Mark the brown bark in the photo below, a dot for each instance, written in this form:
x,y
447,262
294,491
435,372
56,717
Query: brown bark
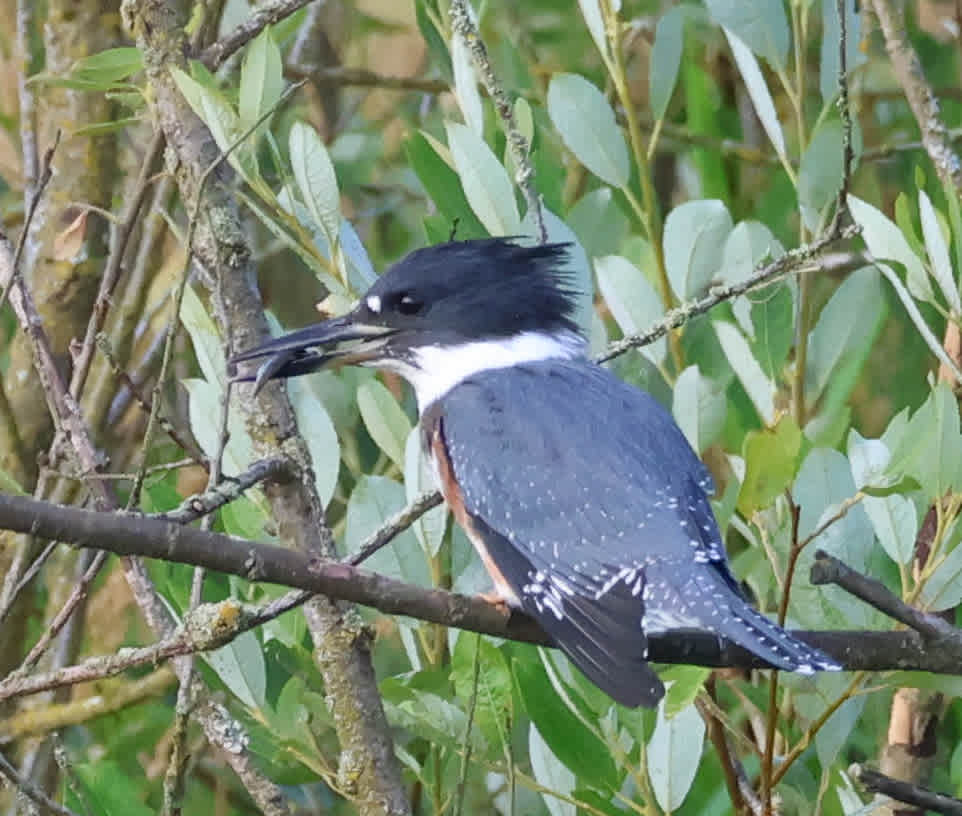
x,y
369,770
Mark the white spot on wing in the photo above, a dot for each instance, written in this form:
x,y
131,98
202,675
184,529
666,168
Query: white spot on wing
x,y
374,304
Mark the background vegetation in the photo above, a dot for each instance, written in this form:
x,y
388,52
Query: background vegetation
x,y
164,164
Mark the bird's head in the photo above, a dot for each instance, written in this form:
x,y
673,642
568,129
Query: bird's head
x,y
439,315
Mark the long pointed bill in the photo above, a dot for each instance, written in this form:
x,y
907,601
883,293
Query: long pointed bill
x,y
339,341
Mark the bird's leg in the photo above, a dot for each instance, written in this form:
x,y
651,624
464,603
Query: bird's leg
x,y
493,596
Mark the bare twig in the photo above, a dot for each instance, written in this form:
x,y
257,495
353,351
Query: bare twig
x,y
399,522
793,261
906,792
267,14
828,569
111,275
33,793
464,27
362,78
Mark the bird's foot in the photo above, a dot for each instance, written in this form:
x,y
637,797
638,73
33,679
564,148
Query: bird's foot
x,y
492,596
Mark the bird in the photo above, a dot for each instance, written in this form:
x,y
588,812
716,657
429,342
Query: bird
x,y
582,496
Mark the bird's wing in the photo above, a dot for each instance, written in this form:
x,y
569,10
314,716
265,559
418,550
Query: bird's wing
x,y
577,485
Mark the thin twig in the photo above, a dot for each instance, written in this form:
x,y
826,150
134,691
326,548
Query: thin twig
x,y
112,268
214,55
399,522
463,26
29,790
828,569
906,792
340,75
793,261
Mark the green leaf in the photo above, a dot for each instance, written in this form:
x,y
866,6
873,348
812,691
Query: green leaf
x,y
564,731
699,407
938,252
107,67
772,457
443,186
632,301
838,341
694,238
429,715
387,424
760,389
316,427
757,88
587,126
674,754
772,318
240,666
203,403
746,247
261,81
374,500
316,179
665,60
485,181
930,450
418,479
222,121
683,683
885,240
598,222
869,459
896,523
820,171
466,84
495,686
824,481
204,337
108,790
591,10
551,774
762,25
943,590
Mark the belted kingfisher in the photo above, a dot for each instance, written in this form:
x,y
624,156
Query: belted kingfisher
x,y
582,496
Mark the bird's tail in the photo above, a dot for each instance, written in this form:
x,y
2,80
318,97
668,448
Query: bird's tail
x,y
750,629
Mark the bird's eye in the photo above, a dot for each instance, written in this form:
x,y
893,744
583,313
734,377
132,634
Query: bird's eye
x,y
408,304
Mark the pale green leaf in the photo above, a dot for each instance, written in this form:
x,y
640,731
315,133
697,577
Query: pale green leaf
x,y
387,424
760,389
315,177
552,774
240,666
943,590
466,85
820,171
757,88
896,523
418,479
204,409
699,408
587,126
318,431
694,238
485,181
204,337
632,301
665,59
261,80
591,10
938,251
674,754
761,24
885,240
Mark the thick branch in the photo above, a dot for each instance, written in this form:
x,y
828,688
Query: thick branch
x,y
129,534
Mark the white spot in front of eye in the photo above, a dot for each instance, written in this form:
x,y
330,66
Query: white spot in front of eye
x,y
407,300
374,304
